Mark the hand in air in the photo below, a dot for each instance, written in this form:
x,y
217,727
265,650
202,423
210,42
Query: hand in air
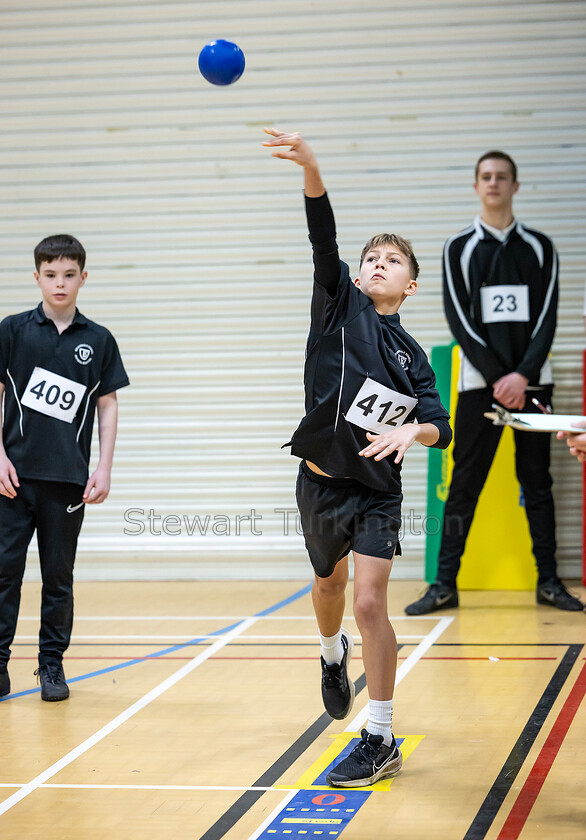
x,y
299,150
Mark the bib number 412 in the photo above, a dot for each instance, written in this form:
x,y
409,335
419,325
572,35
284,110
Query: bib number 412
x,y
379,409
369,403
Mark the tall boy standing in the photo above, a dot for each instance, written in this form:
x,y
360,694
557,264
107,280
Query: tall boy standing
x,y
366,381
500,298
56,368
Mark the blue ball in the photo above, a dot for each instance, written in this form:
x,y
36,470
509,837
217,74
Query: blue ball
x,y
221,62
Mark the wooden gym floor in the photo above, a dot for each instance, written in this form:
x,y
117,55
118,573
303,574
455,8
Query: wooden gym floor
x,y
195,712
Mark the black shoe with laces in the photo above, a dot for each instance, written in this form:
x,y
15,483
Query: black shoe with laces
x,y
439,596
337,689
369,761
4,683
52,679
554,594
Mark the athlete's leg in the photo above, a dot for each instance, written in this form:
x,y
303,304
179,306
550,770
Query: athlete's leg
x,y
329,599
17,525
376,755
532,459
59,520
475,444
379,643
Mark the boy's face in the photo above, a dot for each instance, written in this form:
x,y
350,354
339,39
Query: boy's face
x,y
494,185
60,282
385,278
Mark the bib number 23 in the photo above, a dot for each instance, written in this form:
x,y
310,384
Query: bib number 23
x,y
53,395
379,409
502,304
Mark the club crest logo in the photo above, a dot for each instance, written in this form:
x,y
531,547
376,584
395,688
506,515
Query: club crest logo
x,y
83,354
403,358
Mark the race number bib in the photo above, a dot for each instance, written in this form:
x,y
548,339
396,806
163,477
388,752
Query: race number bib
x,y
504,303
54,395
379,409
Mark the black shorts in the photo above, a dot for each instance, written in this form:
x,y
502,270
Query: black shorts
x,y
339,515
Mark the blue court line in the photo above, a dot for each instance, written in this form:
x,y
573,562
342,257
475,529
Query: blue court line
x,y
195,641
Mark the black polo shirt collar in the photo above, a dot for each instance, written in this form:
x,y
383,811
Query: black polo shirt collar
x,y
41,318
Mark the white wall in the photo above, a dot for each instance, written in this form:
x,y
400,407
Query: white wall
x,y
198,256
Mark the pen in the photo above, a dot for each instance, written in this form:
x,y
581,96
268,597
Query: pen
x,y
540,406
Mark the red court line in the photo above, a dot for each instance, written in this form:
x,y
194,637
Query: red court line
x,y
281,658
538,774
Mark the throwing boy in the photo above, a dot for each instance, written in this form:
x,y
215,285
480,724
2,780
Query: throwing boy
x,y
366,382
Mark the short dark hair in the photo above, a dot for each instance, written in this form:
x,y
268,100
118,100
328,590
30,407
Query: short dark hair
x,y
397,241
495,154
59,247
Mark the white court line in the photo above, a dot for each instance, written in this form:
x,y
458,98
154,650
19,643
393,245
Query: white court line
x,y
281,807
151,787
361,718
124,716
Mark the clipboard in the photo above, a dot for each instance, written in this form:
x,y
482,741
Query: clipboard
x,y
537,422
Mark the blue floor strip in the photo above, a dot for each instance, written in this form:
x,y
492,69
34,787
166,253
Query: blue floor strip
x,y
197,640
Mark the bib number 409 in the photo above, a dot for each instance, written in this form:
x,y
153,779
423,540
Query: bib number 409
x,y
377,408
53,395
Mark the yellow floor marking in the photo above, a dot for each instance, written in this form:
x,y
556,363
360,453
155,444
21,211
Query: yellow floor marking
x,y
306,781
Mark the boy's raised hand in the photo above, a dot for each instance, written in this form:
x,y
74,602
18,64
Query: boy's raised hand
x,y
299,151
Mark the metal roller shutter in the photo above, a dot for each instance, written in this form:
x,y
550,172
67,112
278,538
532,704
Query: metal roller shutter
x,y
198,257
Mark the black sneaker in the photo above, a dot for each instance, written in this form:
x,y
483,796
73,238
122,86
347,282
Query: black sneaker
x,y
52,679
369,761
337,690
554,594
439,596
4,683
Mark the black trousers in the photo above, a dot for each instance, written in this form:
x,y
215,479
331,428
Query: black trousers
x,y
47,507
475,444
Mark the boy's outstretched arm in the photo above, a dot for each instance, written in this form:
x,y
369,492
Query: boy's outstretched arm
x,y
299,152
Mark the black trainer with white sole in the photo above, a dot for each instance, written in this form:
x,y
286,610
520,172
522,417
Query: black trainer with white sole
x,y
439,596
369,761
337,689
554,594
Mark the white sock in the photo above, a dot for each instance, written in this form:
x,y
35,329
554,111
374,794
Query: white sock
x,y
331,648
380,719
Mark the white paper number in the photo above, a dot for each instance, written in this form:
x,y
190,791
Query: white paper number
x,y
379,409
54,395
504,303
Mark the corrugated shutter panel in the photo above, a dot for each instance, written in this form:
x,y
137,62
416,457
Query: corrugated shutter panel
x,y
198,257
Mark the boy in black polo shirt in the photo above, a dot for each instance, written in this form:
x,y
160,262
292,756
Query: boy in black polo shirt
x,y
56,368
366,381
